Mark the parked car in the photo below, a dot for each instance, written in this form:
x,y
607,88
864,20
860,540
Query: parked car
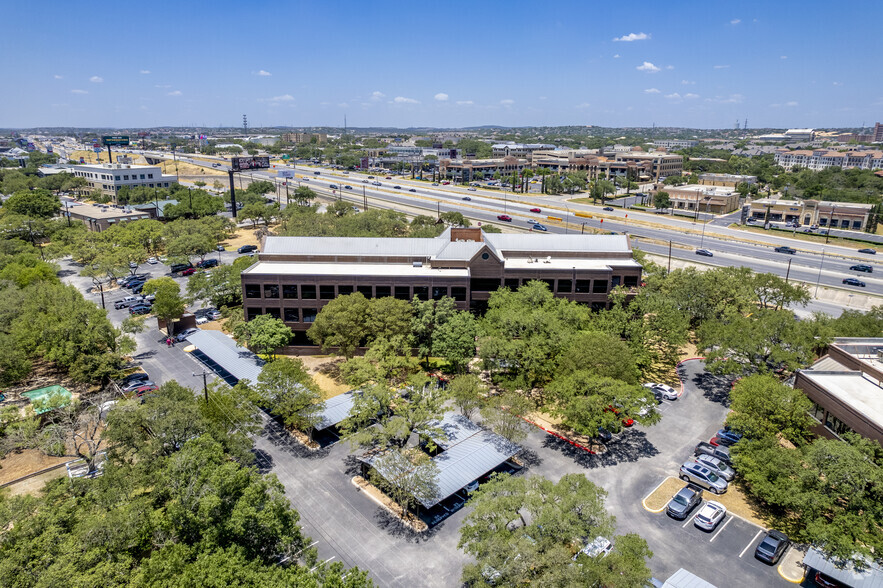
x,y
152,260
603,435
663,390
825,581
535,210
773,546
189,271
133,265
182,336
140,308
539,227
728,436
207,263
137,384
146,388
702,476
683,502
704,253
126,302
134,377
722,453
710,516
717,465
862,268
180,267
608,208
868,251
504,217
854,282
785,249
467,198
211,313
137,287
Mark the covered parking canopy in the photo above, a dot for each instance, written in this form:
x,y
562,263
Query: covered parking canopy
x,y
220,354
336,410
684,579
868,575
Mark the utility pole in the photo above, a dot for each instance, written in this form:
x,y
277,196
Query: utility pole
x,y
232,194
204,375
669,257
819,278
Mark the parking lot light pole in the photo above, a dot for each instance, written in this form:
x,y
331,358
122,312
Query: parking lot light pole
x,y
204,374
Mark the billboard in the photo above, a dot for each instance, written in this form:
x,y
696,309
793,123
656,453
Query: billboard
x,y
285,173
115,139
363,163
244,163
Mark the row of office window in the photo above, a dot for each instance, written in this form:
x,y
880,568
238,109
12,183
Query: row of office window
x,y
831,422
289,315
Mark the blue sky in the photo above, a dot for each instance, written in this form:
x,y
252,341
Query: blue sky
x,y
447,64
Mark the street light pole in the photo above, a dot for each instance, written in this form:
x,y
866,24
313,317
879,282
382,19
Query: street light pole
x,y
819,278
566,219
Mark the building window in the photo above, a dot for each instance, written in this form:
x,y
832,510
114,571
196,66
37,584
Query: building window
x,y
485,255
439,292
290,315
382,291
599,287
165,184
252,290
630,281
342,290
511,283
817,412
151,185
142,176
150,176
403,292
271,291
117,178
564,286
274,312
583,286
126,178
598,306
484,284
308,292
310,315
856,224
366,291
615,281
252,312
458,293
421,292
835,425
289,291
326,292
550,283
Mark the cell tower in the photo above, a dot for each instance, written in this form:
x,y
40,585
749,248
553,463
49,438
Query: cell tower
x,y
745,125
245,124
737,124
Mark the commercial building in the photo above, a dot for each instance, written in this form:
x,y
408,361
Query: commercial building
x,y
717,200
819,159
675,143
661,165
878,133
296,276
846,388
99,217
518,149
730,180
840,215
110,177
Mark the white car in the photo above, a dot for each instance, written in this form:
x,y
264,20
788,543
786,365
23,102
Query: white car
x,y
664,390
152,260
710,515
201,320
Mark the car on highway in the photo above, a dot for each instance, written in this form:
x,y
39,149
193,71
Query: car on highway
x,y
504,217
435,183
347,187
709,516
868,251
333,186
140,308
388,177
370,177
306,179
376,184
445,183
717,465
531,221
662,390
397,187
785,249
535,210
773,546
683,502
861,267
472,189
608,208
854,282
704,253
702,476
412,189
182,336
539,227
723,453
467,198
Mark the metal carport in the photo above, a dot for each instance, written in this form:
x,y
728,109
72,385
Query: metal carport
x,y
221,355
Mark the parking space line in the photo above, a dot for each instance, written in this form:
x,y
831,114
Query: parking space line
x,y
727,522
753,539
688,521
644,500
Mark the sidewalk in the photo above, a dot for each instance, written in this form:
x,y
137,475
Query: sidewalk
x,y
791,567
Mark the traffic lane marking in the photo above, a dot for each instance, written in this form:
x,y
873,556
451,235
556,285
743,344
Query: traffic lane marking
x,y
751,542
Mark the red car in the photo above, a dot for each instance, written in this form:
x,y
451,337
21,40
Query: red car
x,y
535,210
445,183
141,390
505,217
189,271
626,422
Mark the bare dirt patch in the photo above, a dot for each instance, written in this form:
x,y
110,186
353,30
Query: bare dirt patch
x,y
386,502
553,425
735,500
243,236
22,463
324,372
660,497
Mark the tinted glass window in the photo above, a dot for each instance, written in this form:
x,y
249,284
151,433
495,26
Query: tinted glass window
x,y
421,292
326,292
382,291
439,292
308,292
366,291
403,292
583,286
511,283
291,315
341,290
289,291
252,312
274,312
252,291
458,293
599,287
309,315
630,281
271,291
564,286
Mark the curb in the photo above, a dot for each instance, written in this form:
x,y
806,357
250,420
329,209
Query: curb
x,y
558,436
681,393
644,500
790,579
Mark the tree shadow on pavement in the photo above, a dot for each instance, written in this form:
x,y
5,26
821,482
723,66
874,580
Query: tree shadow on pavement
x,y
145,355
263,460
712,387
276,434
630,446
394,527
529,458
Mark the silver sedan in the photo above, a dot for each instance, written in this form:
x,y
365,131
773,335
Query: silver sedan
x,y
710,516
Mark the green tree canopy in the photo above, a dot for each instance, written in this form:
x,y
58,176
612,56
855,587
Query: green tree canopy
x,y
33,204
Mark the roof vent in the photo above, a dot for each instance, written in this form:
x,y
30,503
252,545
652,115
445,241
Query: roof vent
x,y
418,264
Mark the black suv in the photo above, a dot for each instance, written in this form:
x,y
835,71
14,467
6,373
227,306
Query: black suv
x,y
205,264
247,249
786,249
180,267
772,547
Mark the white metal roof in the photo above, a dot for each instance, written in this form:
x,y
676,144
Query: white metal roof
x,y
870,576
684,579
467,460
336,410
344,268
222,350
526,242
456,427
567,263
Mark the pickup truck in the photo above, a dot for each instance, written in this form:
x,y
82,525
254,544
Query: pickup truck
x,y
708,449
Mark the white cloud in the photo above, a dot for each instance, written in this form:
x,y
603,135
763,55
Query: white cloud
x,y
633,37
403,100
721,66
651,91
690,96
79,92
96,79
465,102
783,57
441,97
282,98
58,77
735,21
583,105
377,95
162,85
263,72
175,93
145,71
731,99
542,98
669,67
616,56
648,67
674,96
688,83
791,103
507,102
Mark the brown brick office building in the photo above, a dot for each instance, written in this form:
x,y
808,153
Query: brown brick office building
x,y
295,276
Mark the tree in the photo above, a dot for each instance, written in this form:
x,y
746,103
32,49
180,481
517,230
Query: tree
x,y
288,391
527,530
33,204
264,333
454,219
78,425
409,475
192,238
168,304
587,402
388,318
466,391
454,340
764,407
428,316
662,200
303,196
341,324
503,414
261,187
194,204
222,286
599,353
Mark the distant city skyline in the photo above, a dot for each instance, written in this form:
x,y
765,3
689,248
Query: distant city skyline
x,y
450,65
